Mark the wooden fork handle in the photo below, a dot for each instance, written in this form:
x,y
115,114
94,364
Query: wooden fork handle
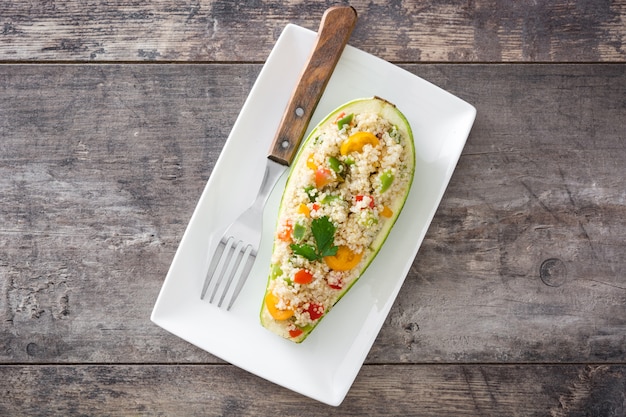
x,y
333,34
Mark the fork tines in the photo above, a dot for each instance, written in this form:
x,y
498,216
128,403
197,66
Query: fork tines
x,y
232,260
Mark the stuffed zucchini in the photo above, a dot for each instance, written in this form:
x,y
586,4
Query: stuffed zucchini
x,y
345,191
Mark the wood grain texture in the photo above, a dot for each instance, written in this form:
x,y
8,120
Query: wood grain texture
x,y
401,390
514,306
224,30
541,178
104,165
101,167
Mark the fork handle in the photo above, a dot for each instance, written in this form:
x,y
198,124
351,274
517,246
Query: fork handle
x,y
333,34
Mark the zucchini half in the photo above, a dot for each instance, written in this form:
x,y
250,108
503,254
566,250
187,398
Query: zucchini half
x,y
346,188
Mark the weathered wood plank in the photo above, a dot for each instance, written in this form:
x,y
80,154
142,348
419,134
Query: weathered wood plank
x,y
404,390
101,167
541,179
217,30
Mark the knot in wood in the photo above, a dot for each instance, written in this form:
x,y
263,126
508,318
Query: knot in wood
x,y
553,272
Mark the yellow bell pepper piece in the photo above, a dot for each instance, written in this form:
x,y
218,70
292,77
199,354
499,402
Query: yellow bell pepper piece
x,y
310,163
344,260
304,209
357,141
386,212
270,302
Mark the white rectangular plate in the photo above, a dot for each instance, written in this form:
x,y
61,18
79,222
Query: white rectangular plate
x,y
325,365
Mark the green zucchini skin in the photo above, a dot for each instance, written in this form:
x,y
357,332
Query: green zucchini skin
x,y
354,171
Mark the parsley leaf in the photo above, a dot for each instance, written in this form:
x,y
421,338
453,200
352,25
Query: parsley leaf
x,y
323,231
331,251
306,251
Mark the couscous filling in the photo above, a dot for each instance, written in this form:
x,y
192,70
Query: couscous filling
x,y
338,198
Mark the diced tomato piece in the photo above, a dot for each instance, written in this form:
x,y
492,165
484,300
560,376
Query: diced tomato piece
x,y
295,332
361,197
303,277
337,286
315,311
316,206
286,232
323,176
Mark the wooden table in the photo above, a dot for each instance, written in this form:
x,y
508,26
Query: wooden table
x,y
113,113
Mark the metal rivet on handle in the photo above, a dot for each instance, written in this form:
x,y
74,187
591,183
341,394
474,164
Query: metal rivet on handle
x,y
299,112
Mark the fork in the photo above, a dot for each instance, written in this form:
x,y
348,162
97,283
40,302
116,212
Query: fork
x,y
237,249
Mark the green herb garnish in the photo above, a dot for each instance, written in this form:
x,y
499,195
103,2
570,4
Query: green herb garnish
x,y
323,231
346,120
311,192
298,231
